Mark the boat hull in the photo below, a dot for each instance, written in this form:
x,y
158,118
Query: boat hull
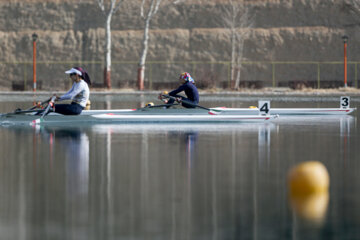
x,y
225,111
112,118
289,111
171,115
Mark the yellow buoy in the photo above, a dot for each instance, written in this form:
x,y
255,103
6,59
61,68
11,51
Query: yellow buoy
x,y
307,178
252,107
165,92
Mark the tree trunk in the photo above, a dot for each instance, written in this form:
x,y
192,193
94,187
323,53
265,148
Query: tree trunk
x,y
233,53
107,70
107,78
141,69
238,62
140,77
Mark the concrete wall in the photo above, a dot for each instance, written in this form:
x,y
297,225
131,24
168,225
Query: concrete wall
x,y
184,37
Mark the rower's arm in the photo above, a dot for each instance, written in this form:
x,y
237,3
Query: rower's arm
x,y
176,91
75,90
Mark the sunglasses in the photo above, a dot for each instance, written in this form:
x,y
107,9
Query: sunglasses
x,y
72,74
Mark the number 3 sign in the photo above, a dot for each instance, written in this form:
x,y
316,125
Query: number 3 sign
x,y
344,102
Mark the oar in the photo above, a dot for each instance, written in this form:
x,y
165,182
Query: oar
x,y
162,105
51,103
191,104
42,103
29,110
43,114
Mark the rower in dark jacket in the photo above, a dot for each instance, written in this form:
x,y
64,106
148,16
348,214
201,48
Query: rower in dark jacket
x,y
191,92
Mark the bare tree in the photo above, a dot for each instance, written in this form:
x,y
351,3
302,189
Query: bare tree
x,y
236,17
148,10
108,9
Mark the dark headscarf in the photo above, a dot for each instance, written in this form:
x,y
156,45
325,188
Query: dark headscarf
x,y
84,75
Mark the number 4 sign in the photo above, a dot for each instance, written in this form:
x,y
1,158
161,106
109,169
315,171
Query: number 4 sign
x,y
344,102
264,107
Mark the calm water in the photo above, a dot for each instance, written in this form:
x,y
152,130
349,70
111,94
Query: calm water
x,y
178,181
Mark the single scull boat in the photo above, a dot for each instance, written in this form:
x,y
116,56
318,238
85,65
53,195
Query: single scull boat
x,y
131,116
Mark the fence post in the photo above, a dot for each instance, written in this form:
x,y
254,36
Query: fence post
x,y
150,77
25,77
34,38
318,75
345,38
273,74
229,75
356,81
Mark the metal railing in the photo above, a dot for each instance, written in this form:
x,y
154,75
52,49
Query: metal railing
x,y
270,72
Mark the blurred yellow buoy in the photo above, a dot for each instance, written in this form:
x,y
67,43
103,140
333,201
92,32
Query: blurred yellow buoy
x,y
311,207
252,107
307,178
165,92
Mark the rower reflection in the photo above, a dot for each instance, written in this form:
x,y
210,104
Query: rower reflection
x,y
190,138
74,144
264,138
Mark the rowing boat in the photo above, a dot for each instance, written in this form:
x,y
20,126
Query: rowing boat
x,y
223,111
263,109
290,111
161,114
167,115
141,115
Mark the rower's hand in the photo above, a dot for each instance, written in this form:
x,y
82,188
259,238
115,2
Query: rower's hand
x,y
57,97
179,99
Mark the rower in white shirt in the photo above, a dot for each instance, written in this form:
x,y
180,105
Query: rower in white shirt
x,y
79,93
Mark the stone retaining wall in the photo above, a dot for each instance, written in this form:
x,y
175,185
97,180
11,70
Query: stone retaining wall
x,y
295,35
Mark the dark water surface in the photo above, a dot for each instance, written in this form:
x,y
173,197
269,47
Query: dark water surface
x,y
179,181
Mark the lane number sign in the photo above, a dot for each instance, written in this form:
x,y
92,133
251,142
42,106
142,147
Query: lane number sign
x,y
344,102
264,107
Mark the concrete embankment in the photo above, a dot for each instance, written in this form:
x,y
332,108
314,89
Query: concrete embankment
x,y
289,42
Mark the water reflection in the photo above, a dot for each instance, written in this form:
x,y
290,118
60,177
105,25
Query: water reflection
x,y
345,131
195,175
310,208
264,143
167,181
74,144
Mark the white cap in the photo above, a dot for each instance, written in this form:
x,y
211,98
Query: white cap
x,y
73,70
